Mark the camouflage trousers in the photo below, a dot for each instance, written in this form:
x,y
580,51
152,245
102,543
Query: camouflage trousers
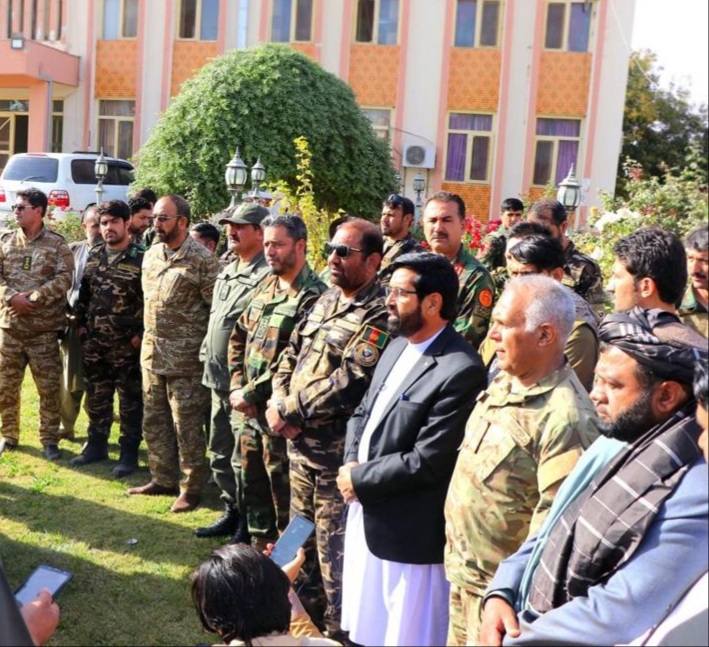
x,y
222,445
465,616
41,352
173,415
262,484
314,495
107,370
72,388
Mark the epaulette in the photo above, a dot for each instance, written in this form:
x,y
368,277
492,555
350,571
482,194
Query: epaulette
x,y
51,232
6,233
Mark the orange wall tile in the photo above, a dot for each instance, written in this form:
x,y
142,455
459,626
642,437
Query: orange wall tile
x,y
306,48
374,72
188,57
474,82
116,68
476,197
564,80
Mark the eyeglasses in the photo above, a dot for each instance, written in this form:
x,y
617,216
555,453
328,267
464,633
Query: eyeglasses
x,y
398,292
164,218
22,207
343,251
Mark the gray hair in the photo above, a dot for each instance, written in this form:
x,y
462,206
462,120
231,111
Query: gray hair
x,y
294,225
549,302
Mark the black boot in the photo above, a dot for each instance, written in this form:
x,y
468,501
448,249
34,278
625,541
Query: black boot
x,y
224,526
96,449
241,533
127,460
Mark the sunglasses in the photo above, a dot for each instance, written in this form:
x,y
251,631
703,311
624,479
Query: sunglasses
x,y
343,251
395,199
22,207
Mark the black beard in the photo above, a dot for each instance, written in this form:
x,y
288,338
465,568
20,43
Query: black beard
x,y
632,423
407,326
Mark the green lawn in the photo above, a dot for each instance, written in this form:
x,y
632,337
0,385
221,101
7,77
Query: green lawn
x,y
123,592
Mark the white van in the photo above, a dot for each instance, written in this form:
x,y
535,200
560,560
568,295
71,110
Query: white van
x,y
67,178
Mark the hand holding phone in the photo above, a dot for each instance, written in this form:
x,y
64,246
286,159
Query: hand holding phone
x,y
294,536
43,577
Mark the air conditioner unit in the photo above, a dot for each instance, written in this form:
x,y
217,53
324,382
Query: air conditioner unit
x,y
419,156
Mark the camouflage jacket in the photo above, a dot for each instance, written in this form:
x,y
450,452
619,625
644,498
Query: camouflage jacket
x,y
233,290
177,289
492,255
43,269
263,331
476,296
519,446
392,252
110,304
326,369
583,275
694,314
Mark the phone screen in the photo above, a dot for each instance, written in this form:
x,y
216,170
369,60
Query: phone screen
x,y
294,536
44,577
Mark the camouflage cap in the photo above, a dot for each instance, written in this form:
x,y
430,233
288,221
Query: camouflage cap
x,y
248,213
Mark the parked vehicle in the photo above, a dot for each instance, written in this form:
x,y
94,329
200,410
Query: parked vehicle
x,y
68,179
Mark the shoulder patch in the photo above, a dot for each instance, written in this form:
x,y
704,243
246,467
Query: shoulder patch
x,y
485,298
375,337
366,354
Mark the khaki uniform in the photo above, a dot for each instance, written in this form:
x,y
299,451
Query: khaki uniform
x,y
42,268
520,444
583,275
694,314
321,378
476,296
392,252
177,288
233,290
258,339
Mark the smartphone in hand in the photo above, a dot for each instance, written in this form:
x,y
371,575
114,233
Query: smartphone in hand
x,y
43,577
293,537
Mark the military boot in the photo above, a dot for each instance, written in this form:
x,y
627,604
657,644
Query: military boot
x,y
241,534
127,460
96,449
224,526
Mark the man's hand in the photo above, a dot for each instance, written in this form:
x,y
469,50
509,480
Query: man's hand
x,y
41,617
344,482
237,402
499,620
20,305
292,568
273,418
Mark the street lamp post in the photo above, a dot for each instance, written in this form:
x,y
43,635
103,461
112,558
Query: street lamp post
x,y
235,177
569,193
419,185
258,175
100,171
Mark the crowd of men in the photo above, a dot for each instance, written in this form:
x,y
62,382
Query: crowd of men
x,y
471,437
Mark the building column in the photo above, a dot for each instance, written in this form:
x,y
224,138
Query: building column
x,y
38,139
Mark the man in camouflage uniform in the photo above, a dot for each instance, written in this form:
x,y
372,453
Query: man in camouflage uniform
x,y
443,223
258,339
178,282
141,216
582,273
233,291
72,385
36,267
397,218
693,310
524,436
109,319
492,255
321,378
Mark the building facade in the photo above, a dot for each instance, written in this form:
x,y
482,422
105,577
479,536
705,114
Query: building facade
x,y
487,98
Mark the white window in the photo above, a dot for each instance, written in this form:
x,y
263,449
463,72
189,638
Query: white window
x,y
469,147
115,127
556,149
377,22
120,19
380,118
292,21
198,20
568,26
477,23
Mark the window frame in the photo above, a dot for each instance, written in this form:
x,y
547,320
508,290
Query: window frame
x,y
199,4
479,12
380,129
120,21
377,24
117,119
294,23
555,139
470,139
566,27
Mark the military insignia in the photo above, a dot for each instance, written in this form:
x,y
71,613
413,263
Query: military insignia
x,y
485,298
375,337
366,354
27,263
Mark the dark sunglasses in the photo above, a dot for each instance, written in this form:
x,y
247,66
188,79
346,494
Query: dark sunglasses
x,y
343,251
395,199
22,207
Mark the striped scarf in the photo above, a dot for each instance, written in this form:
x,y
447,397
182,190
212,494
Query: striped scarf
x,y
606,524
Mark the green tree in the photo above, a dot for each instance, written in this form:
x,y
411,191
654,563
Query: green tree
x,y
659,126
263,99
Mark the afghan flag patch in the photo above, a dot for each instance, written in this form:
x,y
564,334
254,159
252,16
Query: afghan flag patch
x,y
375,337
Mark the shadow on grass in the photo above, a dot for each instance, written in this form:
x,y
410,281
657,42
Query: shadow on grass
x,y
102,607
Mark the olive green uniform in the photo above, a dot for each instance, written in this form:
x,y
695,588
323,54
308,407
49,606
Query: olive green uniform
x,y
693,313
392,251
520,443
583,275
476,296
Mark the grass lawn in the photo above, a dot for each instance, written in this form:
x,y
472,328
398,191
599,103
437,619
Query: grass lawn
x,y
123,592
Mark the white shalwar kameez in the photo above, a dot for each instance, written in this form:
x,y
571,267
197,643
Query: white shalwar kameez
x,y
383,602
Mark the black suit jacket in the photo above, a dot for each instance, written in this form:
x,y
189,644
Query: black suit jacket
x,y
412,453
